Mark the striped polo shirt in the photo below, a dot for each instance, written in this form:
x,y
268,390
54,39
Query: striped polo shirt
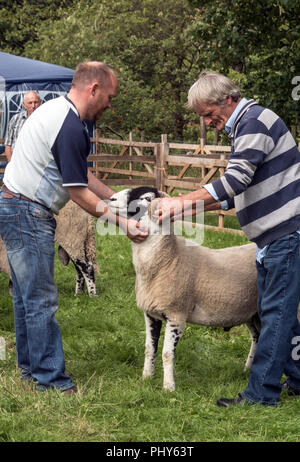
x,y
50,155
262,176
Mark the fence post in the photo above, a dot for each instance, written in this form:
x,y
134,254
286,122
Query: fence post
x,y
221,220
97,152
162,150
130,153
97,144
203,142
216,137
202,134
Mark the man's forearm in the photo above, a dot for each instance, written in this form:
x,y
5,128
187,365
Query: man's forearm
x,y
8,152
97,187
213,206
91,203
201,195
186,205
87,200
191,200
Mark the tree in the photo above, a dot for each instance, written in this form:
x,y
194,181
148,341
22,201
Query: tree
x,y
20,20
146,41
257,43
158,48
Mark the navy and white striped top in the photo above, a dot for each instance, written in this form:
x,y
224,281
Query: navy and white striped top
x,y
262,179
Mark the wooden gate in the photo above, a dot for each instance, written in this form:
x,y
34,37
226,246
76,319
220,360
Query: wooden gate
x,y
167,166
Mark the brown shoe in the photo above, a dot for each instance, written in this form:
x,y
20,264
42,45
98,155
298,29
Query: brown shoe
x,y
70,391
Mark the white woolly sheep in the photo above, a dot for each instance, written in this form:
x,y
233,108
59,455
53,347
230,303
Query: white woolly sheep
x,y
75,233
180,283
4,265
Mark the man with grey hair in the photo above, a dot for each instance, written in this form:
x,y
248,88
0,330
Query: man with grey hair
x,y
262,182
30,103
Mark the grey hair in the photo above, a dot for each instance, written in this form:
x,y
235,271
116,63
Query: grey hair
x,y
29,92
212,88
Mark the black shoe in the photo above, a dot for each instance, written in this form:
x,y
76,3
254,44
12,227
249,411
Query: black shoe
x,y
290,390
226,402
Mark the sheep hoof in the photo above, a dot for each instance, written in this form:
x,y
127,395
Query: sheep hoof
x,y
169,387
247,366
147,374
79,292
10,288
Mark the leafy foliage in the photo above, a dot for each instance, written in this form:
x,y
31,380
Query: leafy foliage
x,y
158,48
21,19
257,43
146,41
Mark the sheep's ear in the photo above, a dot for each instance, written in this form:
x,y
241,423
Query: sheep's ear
x,y
163,194
63,256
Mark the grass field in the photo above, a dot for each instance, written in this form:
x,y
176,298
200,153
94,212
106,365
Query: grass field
x,y
104,349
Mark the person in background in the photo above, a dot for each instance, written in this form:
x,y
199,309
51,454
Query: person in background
x,y
262,182
31,102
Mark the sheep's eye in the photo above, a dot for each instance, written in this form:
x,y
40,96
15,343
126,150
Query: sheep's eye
x,y
113,199
148,199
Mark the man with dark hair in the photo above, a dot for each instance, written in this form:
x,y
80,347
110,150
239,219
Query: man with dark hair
x,y
262,182
49,167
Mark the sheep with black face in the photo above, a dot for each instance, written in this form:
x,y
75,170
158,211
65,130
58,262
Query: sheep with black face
x,y
179,283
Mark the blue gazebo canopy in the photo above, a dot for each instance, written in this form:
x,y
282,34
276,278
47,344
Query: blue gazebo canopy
x,y
18,70
19,75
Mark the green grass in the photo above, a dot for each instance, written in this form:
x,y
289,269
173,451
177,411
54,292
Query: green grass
x,y
104,350
229,221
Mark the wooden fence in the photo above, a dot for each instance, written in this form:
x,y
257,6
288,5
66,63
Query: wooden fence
x,y
166,165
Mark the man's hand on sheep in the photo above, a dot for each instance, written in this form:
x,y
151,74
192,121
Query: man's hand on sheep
x,y
170,208
135,231
187,205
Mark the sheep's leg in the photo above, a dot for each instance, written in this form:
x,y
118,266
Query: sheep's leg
x,y
173,333
254,329
10,287
85,275
79,286
153,327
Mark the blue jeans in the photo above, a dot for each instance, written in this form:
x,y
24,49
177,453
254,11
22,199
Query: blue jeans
x,y
278,280
27,230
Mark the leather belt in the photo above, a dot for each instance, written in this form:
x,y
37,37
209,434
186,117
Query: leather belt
x,y
20,196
